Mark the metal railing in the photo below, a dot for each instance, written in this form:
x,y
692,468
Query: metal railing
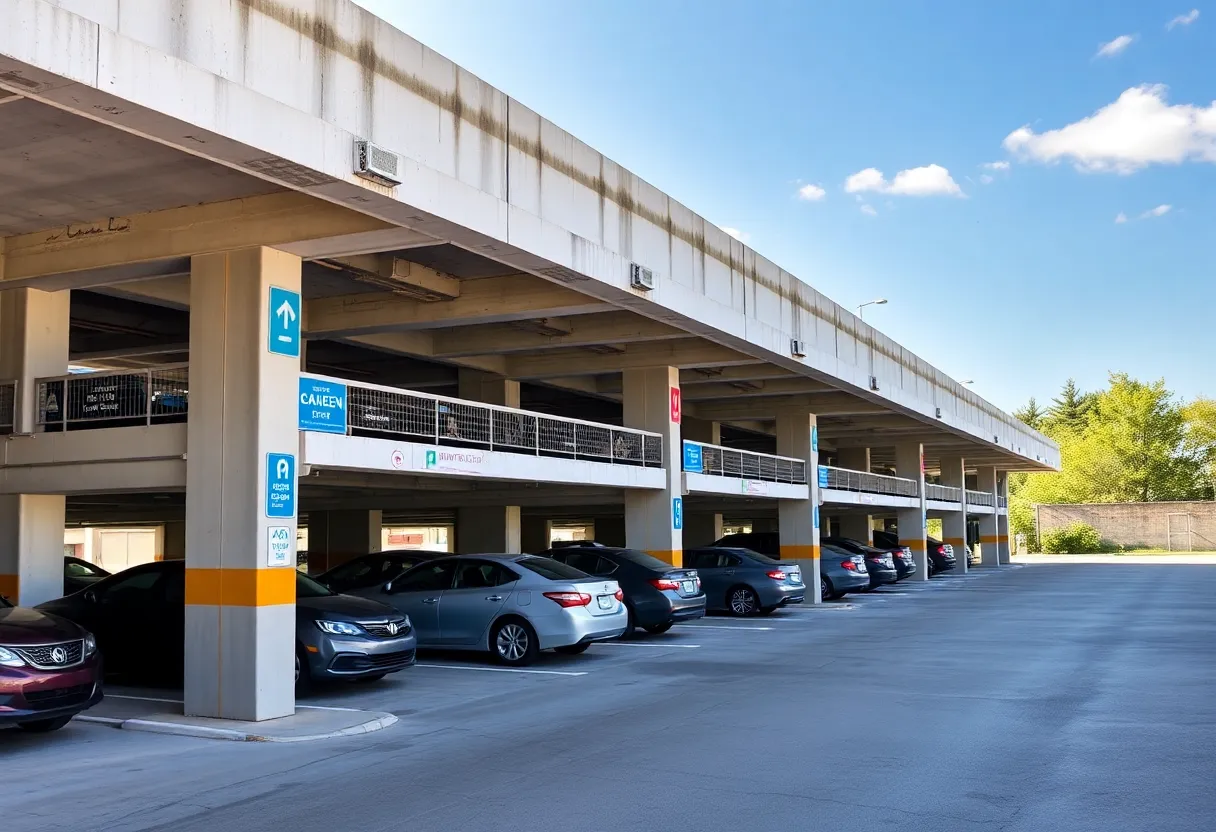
x,y
946,493
980,498
8,407
749,465
386,411
1002,502
845,479
113,399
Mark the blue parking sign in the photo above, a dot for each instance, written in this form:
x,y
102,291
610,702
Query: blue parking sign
x,y
692,457
280,485
677,513
322,405
283,326
823,476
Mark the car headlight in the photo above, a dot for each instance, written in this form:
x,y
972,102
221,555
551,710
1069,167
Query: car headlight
x,y
10,659
90,645
405,628
339,628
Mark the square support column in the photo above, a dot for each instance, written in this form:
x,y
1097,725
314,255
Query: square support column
x,y
856,526
912,522
242,437
33,344
334,537
985,480
171,541
654,518
535,534
954,523
488,530
609,530
798,520
702,528
1002,520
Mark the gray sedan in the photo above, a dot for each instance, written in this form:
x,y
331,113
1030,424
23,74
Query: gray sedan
x,y
513,606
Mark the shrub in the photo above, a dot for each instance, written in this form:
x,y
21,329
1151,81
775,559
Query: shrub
x,y
1073,539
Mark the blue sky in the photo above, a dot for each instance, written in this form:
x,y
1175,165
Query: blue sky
x,y
1016,283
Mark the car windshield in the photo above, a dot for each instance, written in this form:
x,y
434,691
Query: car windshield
x,y
643,559
306,587
756,556
552,569
81,569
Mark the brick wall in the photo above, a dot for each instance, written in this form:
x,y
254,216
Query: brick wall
x,y
1140,524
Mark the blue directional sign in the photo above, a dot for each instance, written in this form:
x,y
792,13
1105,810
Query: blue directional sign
x,y
322,405
815,439
284,322
816,517
280,485
823,476
692,457
677,513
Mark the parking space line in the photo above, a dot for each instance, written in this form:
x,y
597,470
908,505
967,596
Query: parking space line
x,y
505,669
144,698
724,627
644,644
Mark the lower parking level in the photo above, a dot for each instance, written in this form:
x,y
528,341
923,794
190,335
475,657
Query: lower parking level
x,y
1029,698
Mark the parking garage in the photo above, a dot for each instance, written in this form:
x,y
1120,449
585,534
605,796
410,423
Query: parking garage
x,y
217,321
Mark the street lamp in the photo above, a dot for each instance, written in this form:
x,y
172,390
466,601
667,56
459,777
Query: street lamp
x,y
876,302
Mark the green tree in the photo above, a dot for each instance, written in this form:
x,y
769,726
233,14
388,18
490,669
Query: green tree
x,y
1031,415
1070,410
1200,419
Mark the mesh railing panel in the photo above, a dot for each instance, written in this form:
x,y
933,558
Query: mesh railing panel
x,y
946,493
979,498
8,407
845,479
114,399
729,462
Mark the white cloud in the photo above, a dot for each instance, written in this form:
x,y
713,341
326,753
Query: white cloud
x,y
1120,218
1137,130
1159,211
811,193
999,165
985,179
869,211
1184,19
929,180
741,236
1115,47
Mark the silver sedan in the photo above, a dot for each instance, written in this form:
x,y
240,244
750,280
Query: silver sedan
x,y
513,606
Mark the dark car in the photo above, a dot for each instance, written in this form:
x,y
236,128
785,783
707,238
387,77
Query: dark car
x,y
138,616
840,571
880,563
50,669
766,543
657,595
80,574
941,555
743,582
374,569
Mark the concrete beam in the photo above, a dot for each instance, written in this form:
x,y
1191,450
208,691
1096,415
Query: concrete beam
x,y
486,301
420,345
766,407
397,275
584,331
755,389
686,353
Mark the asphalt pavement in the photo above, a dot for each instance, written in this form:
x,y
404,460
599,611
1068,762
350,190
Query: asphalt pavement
x,y
1030,699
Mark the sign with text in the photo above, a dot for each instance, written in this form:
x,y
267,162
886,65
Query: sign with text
x,y
755,487
322,405
280,485
815,439
455,459
677,513
692,458
816,517
675,405
823,476
283,325
280,546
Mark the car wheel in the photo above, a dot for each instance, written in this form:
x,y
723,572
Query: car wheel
x,y
375,677
43,726
658,629
742,601
826,592
513,642
572,649
303,674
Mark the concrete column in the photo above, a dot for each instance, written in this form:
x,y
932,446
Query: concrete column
x,y
798,520
911,522
609,530
171,541
33,345
702,528
855,459
490,530
701,430
488,388
954,523
240,610
334,537
650,516
855,526
1002,520
535,534
985,480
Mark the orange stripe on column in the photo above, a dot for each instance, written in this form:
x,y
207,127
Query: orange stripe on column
x,y
916,544
240,587
795,551
673,556
989,538
9,584
954,541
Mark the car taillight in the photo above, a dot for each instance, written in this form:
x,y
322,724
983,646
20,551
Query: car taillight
x,y
664,583
848,564
906,551
941,550
619,595
777,575
569,599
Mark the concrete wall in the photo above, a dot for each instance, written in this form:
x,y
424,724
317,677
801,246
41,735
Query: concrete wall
x,y
1140,524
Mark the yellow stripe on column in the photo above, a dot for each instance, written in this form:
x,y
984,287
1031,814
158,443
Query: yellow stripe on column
x,y
9,584
990,538
1002,538
673,556
916,544
240,587
794,551
955,541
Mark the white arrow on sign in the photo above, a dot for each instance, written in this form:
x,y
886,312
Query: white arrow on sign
x,y
286,313
282,470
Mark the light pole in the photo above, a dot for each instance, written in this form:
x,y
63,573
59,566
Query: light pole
x,y
861,310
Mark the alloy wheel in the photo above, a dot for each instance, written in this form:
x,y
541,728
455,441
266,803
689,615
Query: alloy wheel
x,y
742,602
823,590
297,668
512,642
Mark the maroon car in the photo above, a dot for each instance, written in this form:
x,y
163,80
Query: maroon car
x,y
50,669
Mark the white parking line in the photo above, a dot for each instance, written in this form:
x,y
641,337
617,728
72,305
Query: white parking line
x,y
724,627
144,698
644,644
504,669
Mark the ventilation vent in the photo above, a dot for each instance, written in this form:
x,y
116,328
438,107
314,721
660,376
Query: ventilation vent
x,y
641,277
377,164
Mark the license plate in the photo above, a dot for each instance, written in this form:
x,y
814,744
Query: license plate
x,y
690,587
606,602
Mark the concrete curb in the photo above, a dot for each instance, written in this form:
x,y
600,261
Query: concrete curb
x,y
178,729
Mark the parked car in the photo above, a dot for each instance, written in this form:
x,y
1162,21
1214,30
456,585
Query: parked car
x,y
50,669
79,574
657,595
880,564
743,582
138,616
766,543
373,570
513,606
941,555
841,572
973,557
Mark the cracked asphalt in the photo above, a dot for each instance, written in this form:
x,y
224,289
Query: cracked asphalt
x,y
1036,698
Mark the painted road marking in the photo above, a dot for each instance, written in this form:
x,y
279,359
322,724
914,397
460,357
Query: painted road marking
x,y
180,702
644,644
723,627
504,669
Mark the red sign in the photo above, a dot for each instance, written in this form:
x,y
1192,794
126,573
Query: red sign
x,y
675,405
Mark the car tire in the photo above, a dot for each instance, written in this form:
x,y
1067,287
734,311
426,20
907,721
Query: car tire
x,y
826,591
741,601
513,642
572,649
657,629
303,674
44,726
